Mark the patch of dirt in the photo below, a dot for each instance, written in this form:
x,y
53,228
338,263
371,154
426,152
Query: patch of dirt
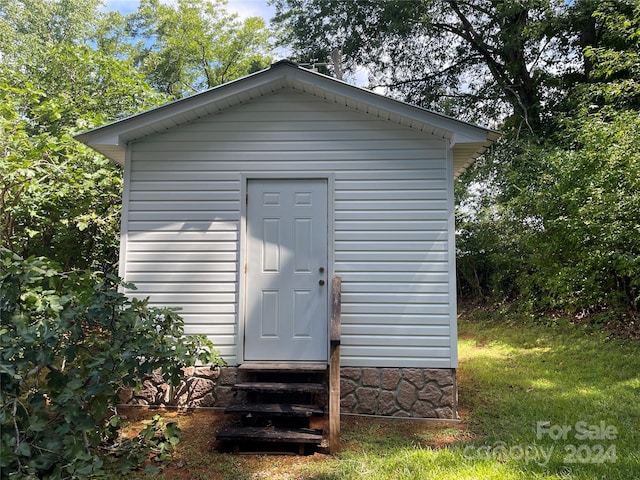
x,y
197,456
629,327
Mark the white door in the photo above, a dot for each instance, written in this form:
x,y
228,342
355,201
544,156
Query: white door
x,y
286,272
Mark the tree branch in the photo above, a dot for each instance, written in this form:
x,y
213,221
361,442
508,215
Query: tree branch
x,y
429,77
469,33
205,66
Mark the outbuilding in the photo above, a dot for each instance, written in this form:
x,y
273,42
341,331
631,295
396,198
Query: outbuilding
x,y
241,204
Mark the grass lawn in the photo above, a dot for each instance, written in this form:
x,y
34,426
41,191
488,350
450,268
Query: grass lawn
x,y
540,400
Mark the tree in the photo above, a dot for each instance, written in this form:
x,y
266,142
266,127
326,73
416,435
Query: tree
x,y
67,67
49,45
588,196
480,60
547,216
190,46
564,221
58,198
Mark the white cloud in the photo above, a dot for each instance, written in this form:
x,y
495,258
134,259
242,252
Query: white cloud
x,y
251,8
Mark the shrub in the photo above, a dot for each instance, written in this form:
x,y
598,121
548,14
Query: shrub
x,y
68,343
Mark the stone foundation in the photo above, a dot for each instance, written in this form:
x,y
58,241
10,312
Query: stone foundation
x,y
201,387
399,392
396,392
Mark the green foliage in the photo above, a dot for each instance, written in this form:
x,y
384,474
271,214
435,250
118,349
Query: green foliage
x,y
616,64
68,343
49,47
588,200
154,442
191,45
559,226
563,233
549,215
58,198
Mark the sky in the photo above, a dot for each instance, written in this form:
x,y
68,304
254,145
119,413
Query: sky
x,y
251,8
244,8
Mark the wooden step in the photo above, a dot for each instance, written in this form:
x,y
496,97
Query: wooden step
x,y
280,387
277,410
284,367
270,434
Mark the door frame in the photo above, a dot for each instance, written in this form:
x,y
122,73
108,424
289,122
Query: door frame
x,y
329,177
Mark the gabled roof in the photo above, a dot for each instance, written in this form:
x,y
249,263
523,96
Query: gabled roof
x,y
467,140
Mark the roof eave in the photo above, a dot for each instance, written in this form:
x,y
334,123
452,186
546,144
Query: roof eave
x,y
465,154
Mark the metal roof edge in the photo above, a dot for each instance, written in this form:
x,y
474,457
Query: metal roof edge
x,y
167,106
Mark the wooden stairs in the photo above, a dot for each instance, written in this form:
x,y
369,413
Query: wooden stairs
x,y
282,407
277,405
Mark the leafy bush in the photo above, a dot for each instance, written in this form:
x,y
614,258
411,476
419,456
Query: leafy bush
x,y
554,222
58,199
68,343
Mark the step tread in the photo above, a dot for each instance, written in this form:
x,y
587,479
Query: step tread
x,y
281,387
284,367
270,434
277,409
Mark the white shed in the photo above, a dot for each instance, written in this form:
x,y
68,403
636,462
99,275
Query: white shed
x,y
242,202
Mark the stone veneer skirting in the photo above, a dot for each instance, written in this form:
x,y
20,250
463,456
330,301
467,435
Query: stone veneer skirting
x,y
397,392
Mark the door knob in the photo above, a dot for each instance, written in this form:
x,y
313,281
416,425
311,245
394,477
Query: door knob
x,y
321,282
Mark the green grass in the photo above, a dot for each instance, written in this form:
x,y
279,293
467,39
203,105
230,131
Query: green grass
x,y
513,374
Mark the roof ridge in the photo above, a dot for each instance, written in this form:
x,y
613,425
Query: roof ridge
x,y
285,62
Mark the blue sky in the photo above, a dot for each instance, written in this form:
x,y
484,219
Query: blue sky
x,y
244,8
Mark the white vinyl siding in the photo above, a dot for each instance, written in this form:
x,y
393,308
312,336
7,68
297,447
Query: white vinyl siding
x,y
392,212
